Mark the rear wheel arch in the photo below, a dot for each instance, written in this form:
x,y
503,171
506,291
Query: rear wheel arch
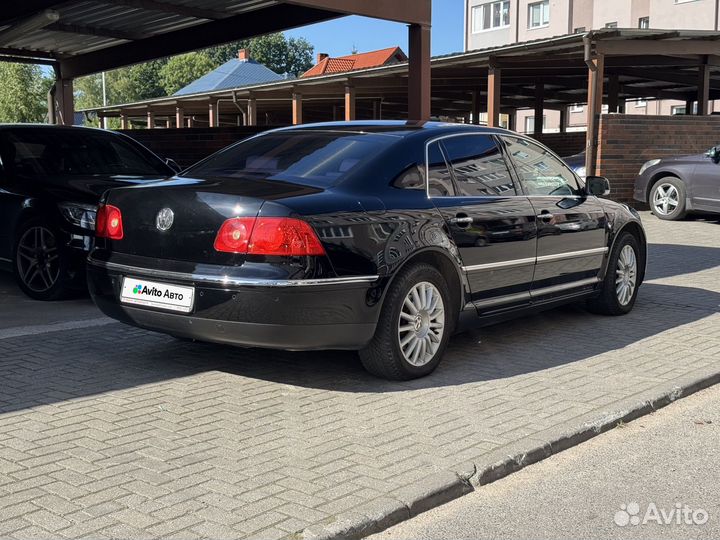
x,y
443,262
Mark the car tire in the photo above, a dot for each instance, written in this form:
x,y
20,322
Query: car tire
x,y
416,315
667,198
40,265
620,286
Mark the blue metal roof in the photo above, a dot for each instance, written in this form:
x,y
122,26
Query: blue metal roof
x,y
232,74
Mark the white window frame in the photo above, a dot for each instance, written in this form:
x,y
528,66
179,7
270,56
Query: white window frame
x,y
645,20
488,5
577,108
544,6
612,24
528,119
641,103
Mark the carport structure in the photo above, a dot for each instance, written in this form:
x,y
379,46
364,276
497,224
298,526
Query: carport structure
x,y
81,37
605,67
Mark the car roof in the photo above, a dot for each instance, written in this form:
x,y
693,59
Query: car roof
x,y
52,127
399,128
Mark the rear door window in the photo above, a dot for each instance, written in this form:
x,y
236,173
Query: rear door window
x,y
479,166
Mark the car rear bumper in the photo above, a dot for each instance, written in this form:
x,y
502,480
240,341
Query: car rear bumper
x,y
334,313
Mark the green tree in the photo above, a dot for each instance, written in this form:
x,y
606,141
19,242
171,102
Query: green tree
x,y
23,95
179,71
280,54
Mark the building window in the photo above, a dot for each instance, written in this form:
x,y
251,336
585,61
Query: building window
x,y
539,14
611,24
644,22
530,124
576,108
677,109
640,103
580,30
491,16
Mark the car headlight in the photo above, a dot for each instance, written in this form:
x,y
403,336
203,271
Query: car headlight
x,y
581,172
82,215
648,164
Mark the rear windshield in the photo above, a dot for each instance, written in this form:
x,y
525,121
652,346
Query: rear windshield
x,y
46,152
315,158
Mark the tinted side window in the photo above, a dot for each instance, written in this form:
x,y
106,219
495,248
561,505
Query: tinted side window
x,y
440,182
479,166
540,172
410,178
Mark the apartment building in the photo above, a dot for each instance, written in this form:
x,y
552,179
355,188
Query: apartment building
x,y
493,23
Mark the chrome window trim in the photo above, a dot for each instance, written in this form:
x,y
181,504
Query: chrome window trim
x,y
230,281
536,260
3,259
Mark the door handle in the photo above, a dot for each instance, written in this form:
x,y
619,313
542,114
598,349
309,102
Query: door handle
x,y
462,221
545,216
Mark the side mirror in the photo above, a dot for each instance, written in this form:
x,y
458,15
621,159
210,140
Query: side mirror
x,y
173,165
597,185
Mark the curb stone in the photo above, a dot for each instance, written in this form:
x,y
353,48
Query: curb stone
x,y
442,487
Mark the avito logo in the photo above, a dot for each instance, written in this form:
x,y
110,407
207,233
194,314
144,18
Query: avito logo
x,y
137,289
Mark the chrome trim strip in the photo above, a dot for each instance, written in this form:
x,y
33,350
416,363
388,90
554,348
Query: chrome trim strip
x,y
231,281
565,286
572,254
3,259
497,265
535,260
499,300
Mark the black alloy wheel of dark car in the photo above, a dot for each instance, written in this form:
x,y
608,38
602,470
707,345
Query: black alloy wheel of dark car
x,y
40,268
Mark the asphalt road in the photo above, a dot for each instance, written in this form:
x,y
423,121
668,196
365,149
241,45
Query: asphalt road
x,y
666,462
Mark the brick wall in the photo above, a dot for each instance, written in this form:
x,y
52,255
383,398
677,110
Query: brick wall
x,y
190,145
564,144
628,141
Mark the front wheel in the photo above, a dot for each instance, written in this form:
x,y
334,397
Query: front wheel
x,y
414,326
667,199
620,287
41,268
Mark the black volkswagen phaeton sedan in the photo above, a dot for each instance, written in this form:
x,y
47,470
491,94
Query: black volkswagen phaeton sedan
x,y
382,237
51,179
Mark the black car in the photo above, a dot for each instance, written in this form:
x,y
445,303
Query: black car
x,y
51,179
382,237
675,186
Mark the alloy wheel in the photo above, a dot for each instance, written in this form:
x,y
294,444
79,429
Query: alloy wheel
x,y
421,323
625,275
666,199
38,259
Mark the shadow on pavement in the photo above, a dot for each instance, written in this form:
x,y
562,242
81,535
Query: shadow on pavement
x,y
59,366
666,260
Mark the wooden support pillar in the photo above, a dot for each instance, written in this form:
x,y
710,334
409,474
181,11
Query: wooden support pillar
x,y
168,122
475,107
212,118
123,121
512,120
349,103
613,93
179,117
539,107
150,119
621,105
493,107
335,113
563,120
596,77
190,121
689,107
376,109
63,106
419,72
297,112
252,112
703,96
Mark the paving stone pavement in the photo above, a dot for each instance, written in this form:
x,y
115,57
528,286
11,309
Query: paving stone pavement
x,y
114,432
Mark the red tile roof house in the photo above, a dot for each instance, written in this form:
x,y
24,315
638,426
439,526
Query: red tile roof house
x,y
384,57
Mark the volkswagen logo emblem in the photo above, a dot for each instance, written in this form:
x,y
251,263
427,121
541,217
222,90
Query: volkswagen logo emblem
x,y
164,219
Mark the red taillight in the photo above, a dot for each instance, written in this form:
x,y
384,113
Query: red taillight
x,y
234,235
268,236
108,222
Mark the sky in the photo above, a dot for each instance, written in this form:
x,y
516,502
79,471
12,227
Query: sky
x,y
338,37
